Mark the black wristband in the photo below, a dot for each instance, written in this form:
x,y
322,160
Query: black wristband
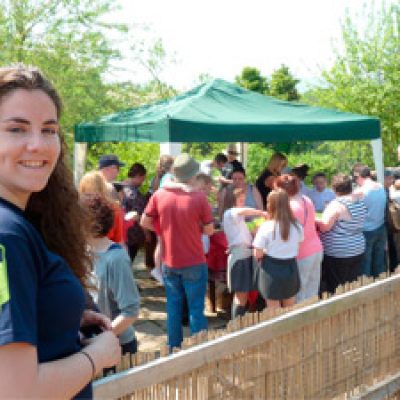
x,y
91,362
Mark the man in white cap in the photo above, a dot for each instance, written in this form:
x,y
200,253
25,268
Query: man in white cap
x,y
182,214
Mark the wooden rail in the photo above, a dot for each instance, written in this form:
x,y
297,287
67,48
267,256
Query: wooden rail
x,y
164,369
381,390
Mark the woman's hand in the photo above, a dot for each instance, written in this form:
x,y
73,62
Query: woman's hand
x,y
90,317
264,214
105,350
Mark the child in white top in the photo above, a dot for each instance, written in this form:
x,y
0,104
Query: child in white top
x,y
276,246
240,260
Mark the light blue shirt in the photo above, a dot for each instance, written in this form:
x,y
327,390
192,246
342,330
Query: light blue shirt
x,y
304,189
117,291
375,200
166,178
321,199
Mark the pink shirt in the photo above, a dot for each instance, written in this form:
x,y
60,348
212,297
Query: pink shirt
x,y
303,209
181,216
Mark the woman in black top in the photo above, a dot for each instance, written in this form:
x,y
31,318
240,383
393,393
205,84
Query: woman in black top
x,y
265,181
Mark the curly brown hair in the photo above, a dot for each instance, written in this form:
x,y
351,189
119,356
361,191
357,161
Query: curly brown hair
x,y
54,211
101,213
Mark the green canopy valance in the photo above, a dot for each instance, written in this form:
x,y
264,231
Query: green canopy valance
x,y
219,111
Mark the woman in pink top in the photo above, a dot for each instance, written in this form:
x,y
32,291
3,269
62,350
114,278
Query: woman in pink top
x,y
310,254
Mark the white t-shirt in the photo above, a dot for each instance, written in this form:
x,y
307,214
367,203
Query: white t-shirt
x,y
206,167
276,247
205,239
321,199
235,228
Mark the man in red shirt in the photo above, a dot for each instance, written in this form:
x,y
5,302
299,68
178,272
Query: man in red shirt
x,y
182,214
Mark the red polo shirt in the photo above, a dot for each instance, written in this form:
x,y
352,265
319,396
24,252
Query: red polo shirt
x,y
181,216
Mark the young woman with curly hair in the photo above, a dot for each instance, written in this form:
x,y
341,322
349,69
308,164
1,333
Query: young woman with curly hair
x,y
43,260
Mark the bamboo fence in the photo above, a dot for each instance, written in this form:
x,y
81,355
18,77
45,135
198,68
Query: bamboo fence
x,y
336,348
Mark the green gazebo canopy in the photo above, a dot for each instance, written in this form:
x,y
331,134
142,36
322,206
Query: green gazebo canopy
x,y
219,111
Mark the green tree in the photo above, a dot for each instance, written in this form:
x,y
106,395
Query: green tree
x,y
251,78
68,41
154,59
365,78
283,84
204,150
126,95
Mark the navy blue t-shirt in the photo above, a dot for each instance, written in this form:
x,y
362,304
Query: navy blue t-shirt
x,y
41,301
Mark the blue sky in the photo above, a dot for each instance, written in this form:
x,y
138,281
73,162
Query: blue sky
x,y
220,37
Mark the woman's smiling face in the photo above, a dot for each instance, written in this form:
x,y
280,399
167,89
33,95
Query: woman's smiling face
x,y
29,144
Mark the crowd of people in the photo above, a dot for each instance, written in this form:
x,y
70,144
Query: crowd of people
x,y
286,242
68,295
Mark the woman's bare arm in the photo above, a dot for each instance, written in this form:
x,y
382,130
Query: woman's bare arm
x,y
23,377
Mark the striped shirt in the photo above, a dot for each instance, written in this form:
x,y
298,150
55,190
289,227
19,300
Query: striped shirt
x,y
346,238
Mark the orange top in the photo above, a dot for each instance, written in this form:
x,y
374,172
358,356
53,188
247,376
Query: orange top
x,y
115,233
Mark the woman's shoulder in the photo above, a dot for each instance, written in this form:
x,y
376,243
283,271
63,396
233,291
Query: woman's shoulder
x,y
116,250
15,224
114,258
231,214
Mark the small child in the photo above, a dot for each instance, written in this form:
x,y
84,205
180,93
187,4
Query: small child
x,y
117,295
240,260
204,183
276,246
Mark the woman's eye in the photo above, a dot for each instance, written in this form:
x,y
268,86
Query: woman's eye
x,y
50,131
16,129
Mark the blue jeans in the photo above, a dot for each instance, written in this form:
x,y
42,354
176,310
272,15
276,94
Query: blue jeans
x,y
192,283
373,262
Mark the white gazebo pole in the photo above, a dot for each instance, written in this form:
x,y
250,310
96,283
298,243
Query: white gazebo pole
x,y
377,151
79,161
244,147
172,149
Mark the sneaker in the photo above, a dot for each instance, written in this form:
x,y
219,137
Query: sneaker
x,y
157,275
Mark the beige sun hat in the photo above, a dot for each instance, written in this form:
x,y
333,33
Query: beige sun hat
x,y
185,167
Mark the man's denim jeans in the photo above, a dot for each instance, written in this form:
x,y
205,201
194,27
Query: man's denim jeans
x,y
374,257
192,283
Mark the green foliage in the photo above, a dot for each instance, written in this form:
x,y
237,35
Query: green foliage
x,y
154,58
319,159
365,78
283,84
68,41
202,151
73,46
251,78
257,159
129,153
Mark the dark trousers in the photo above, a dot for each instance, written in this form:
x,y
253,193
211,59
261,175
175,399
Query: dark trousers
x,y
338,271
392,251
149,247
